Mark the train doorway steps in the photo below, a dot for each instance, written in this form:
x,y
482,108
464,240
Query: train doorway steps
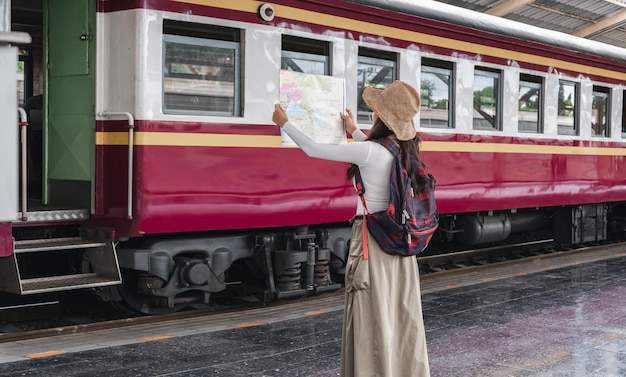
x,y
48,216
49,265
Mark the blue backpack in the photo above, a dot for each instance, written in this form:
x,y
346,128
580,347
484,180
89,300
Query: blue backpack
x,y
408,224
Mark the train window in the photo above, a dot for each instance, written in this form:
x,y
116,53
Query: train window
x,y
600,112
436,93
375,69
529,104
24,77
21,96
487,99
305,55
567,115
201,69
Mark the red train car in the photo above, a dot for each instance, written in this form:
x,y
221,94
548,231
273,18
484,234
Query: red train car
x,y
153,175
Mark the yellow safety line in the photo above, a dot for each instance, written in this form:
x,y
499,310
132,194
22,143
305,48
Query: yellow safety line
x,y
315,312
249,324
157,337
45,354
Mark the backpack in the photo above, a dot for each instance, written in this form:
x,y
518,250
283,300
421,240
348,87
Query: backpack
x,y
410,221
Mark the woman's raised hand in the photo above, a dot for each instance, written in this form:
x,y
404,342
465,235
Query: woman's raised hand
x,y
279,116
348,119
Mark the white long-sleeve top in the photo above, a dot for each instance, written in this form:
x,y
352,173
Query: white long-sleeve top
x,y
374,162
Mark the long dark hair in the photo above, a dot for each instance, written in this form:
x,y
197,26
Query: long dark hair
x,y
420,179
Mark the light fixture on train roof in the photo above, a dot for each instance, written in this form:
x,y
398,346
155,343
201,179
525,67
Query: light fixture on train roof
x,y
266,11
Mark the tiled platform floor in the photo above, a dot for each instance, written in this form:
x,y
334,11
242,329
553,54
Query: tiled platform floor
x,y
566,322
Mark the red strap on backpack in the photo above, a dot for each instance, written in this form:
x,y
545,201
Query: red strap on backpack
x,y
360,190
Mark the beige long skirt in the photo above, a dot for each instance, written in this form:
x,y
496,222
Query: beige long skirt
x,y
383,327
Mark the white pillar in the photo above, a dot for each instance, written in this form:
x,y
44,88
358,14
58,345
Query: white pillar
x,y
5,15
8,114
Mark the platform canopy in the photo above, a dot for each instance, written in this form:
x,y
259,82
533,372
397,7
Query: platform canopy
x,y
599,20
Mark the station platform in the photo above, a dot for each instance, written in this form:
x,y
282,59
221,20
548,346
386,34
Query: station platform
x,y
559,322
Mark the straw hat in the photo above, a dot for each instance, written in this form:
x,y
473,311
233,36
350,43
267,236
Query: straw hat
x,y
396,106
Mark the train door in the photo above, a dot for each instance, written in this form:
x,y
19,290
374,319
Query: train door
x,y
69,102
52,250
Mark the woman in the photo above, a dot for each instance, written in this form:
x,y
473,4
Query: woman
x,y
383,329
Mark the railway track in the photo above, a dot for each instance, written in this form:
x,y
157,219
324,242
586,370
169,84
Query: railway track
x,y
466,270
439,272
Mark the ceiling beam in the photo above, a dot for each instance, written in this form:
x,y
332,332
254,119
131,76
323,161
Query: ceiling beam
x,y
604,24
507,6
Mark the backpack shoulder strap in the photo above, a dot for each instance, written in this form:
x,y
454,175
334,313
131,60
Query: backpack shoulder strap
x,y
389,144
391,147
360,189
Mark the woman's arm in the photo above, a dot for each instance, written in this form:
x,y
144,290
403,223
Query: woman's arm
x,y
356,153
358,135
280,118
348,118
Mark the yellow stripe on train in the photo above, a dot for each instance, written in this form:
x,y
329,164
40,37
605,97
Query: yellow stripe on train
x,y
181,139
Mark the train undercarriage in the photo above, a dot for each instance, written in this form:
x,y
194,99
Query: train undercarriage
x,y
166,273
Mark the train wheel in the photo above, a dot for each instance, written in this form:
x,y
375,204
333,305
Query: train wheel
x,y
135,302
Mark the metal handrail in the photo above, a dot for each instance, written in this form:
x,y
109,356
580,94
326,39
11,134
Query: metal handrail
x,y
131,129
23,141
14,37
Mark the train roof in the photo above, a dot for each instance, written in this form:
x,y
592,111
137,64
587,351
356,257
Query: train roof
x,y
476,20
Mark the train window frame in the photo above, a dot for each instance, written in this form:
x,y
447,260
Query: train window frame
x,y
536,82
305,50
575,129
496,119
438,66
205,36
597,93
373,57
624,114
